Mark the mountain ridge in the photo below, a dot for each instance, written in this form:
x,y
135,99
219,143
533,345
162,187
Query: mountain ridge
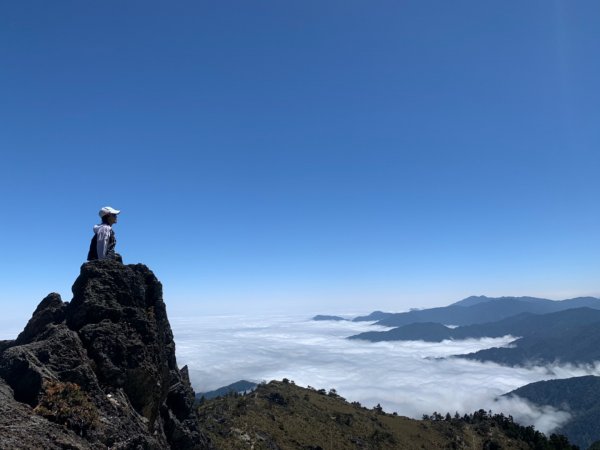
x,y
571,336
478,309
578,395
519,325
238,387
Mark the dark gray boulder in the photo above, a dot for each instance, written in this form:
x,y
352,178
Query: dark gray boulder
x,y
109,355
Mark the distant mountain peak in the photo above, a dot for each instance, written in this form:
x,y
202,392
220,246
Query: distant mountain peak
x,y
472,300
478,299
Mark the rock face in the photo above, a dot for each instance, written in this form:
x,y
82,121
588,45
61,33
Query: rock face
x,y
100,371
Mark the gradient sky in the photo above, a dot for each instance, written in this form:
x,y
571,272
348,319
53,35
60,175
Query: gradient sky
x,y
322,156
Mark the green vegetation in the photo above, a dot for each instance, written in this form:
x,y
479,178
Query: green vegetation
x,y
67,404
482,421
282,415
579,396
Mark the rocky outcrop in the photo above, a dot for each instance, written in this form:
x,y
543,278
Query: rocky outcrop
x,y
21,428
100,371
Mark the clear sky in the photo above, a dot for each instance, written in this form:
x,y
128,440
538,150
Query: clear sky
x,y
327,156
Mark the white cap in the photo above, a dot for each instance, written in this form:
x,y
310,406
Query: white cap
x,y
108,210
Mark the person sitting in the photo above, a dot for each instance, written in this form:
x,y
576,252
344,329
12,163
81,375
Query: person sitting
x,y
104,241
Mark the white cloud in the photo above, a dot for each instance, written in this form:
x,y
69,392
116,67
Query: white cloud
x,y
545,418
411,378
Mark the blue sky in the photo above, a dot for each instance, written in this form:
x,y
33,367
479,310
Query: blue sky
x,y
330,156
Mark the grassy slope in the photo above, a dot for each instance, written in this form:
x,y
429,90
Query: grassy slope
x,y
283,416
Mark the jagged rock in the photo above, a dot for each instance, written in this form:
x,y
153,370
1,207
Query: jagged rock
x,y
51,310
114,343
56,354
178,421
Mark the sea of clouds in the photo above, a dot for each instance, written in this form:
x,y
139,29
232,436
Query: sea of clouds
x,y
412,378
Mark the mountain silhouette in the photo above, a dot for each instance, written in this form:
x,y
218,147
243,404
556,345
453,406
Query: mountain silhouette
x,y
570,336
475,310
579,396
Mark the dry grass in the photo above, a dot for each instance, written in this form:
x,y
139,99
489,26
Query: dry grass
x,y
282,415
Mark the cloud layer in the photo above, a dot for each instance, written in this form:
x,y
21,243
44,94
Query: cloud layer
x,y
410,378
